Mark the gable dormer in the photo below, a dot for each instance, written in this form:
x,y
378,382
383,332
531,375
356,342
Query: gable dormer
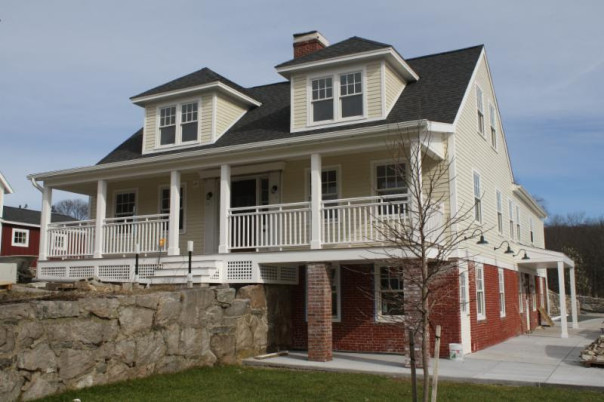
x,y
352,81
196,109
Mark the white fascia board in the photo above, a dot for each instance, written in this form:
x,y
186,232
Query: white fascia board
x,y
205,87
311,139
525,196
397,62
7,188
29,225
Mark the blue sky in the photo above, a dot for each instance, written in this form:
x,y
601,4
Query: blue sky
x,y
68,68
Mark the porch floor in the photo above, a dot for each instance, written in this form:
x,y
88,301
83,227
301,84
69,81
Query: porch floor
x,y
541,358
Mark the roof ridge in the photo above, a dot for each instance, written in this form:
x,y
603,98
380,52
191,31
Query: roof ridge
x,y
446,52
375,42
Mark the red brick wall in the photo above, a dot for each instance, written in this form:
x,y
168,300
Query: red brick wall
x,y
319,313
446,311
7,236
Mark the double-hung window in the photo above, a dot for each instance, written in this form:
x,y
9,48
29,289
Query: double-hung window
x,y
511,214
463,292
164,205
125,204
390,292
501,293
391,185
493,119
20,238
531,230
480,110
329,191
477,202
518,237
178,124
480,303
499,211
337,97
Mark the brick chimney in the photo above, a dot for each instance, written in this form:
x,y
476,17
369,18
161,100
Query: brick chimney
x,y
308,42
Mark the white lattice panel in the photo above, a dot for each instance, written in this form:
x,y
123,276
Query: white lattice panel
x,y
147,270
289,275
81,272
52,272
268,273
239,270
114,272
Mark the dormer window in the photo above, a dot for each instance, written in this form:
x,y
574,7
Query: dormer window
x,y
178,124
347,88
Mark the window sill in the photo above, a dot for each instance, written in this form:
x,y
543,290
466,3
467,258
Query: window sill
x,y
393,319
20,245
481,318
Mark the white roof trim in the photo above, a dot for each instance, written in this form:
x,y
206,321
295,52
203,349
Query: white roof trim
x,y
395,59
528,199
141,100
7,188
320,137
29,225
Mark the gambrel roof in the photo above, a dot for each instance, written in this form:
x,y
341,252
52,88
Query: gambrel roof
x,y
436,96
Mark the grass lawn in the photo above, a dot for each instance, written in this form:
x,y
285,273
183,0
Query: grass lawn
x,y
235,383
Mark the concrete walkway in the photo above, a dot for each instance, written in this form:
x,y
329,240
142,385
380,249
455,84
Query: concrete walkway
x,y
537,359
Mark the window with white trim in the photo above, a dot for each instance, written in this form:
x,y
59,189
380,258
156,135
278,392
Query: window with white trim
x,y
501,292
329,191
518,232
480,110
346,88
511,214
521,292
480,302
477,201
20,238
164,205
390,180
493,119
390,294
125,204
531,230
178,124
463,292
499,211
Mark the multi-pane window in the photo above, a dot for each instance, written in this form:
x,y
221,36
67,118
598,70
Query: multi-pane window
x,y
322,99
518,237
390,292
390,181
125,204
334,273
477,202
480,304
329,191
511,214
480,110
346,88
531,230
499,211
164,205
20,238
534,291
463,295
167,125
188,122
501,293
493,118
178,123
351,95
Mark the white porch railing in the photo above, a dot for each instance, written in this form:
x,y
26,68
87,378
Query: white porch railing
x,y
276,225
70,239
363,219
121,235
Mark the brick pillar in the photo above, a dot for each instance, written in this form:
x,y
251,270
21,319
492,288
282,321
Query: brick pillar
x,y
319,312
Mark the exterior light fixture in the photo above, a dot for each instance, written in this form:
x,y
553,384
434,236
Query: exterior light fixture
x,y
508,250
480,241
274,189
525,257
209,195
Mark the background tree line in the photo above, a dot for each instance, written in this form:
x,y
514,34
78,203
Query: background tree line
x,y
582,239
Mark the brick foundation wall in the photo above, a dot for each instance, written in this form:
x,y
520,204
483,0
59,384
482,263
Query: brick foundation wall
x,y
319,313
446,312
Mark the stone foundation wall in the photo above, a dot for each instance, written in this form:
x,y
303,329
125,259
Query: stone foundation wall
x,y
591,304
554,304
49,346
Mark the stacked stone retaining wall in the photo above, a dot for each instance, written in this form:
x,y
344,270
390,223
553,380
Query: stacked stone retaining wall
x,y
50,346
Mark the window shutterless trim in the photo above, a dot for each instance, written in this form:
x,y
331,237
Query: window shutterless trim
x,y
17,231
178,142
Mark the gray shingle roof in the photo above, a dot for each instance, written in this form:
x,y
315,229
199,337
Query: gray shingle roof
x,y
346,47
437,96
199,77
30,217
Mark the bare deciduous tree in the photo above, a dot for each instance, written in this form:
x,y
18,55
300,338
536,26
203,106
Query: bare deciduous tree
x,y
75,208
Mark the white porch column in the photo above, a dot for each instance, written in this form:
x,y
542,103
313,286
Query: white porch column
x,y
44,221
315,201
101,213
225,205
174,222
573,298
562,292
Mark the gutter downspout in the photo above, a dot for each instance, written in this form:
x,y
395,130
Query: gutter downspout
x,y
36,184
